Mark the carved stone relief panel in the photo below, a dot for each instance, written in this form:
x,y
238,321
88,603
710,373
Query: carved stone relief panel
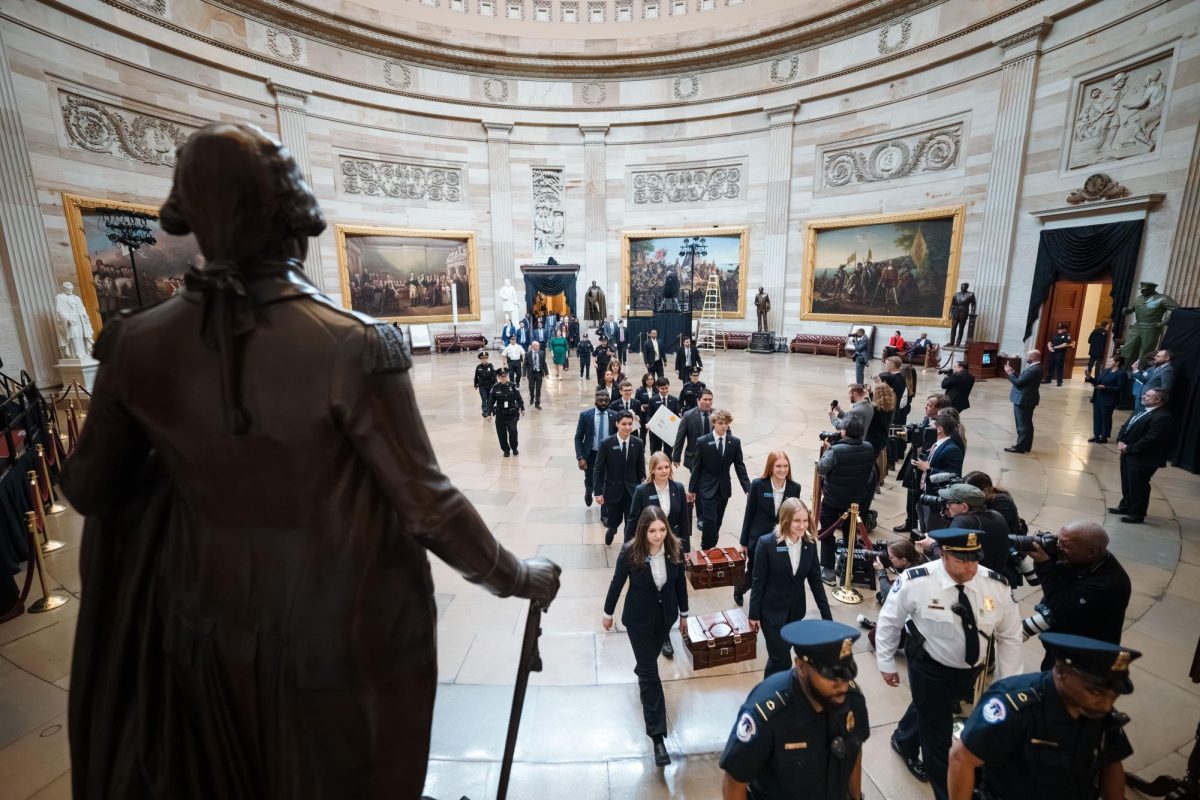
x,y
785,69
549,221
100,127
495,89
285,46
686,87
399,180
1118,113
686,183
397,75
157,7
892,40
895,155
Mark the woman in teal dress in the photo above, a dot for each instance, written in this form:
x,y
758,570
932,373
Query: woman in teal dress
x,y
558,351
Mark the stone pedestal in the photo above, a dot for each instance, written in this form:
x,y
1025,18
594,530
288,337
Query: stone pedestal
x,y
762,342
83,371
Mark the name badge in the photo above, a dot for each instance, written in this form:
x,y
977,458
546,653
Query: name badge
x,y
769,494
616,447
506,404
653,497
781,549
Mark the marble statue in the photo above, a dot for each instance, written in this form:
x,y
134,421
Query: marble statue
x,y
508,301
962,306
1150,310
72,324
595,308
762,305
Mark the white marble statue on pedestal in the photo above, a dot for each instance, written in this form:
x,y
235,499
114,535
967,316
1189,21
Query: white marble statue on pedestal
x,y
508,301
72,324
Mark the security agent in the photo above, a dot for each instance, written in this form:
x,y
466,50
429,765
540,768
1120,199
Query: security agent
x,y
687,359
848,476
800,733
485,379
620,467
951,610
1053,734
1085,589
594,426
506,405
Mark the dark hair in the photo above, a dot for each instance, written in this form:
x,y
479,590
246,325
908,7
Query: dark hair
x,y
983,482
855,428
962,364
623,415
638,549
904,548
940,401
603,393
503,372
706,393
1119,359
624,384
947,422
695,373
659,382
649,375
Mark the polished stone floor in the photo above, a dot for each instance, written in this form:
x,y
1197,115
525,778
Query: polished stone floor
x,y
581,734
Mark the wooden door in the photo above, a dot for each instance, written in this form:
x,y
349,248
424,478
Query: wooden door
x,y
1065,304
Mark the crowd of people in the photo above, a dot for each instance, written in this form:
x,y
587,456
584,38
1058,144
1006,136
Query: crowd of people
x,y
385,294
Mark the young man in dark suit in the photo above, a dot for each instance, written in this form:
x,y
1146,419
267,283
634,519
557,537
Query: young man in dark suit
x,y
710,485
694,425
622,337
626,401
535,370
594,426
687,359
957,386
1145,441
652,354
1025,398
620,467
662,398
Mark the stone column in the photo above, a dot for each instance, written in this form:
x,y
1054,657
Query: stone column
x,y
500,193
1183,277
26,249
1009,143
293,132
595,267
779,192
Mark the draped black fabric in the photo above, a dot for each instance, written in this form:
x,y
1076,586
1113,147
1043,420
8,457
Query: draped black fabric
x,y
550,283
1082,254
671,327
1182,338
14,502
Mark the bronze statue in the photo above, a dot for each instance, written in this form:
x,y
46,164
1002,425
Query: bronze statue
x,y
762,304
258,617
1150,310
962,306
594,305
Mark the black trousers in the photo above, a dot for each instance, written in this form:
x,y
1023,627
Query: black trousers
x,y
483,398
622,351
1023,417
655,369
585,367
616,512
657,444
1135,487
588,473
937,691
1102,420
712,514
506,431
829,544
535,388
779,652
514,372
646,648
1094,361
1058,361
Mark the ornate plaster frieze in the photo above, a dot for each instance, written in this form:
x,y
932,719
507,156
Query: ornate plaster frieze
x,y
372,177
892,157
686,87
549,219
397,75
495,89
158,7
1097,187
684,183
886,42
285,46
785,70
594,94
100,127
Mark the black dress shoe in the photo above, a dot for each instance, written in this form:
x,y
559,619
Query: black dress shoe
x,y
608,537
738,596
1014,450
903,527
914,764
516,452
1118,510
661,757
1094,439
1102,440
506,454
1133,520
587,499
668,651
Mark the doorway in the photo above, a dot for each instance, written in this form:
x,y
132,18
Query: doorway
x,y
1080,305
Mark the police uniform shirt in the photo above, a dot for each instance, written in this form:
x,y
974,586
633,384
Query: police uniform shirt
x,y
1032,748
784,749
1059,339
505,399
926,595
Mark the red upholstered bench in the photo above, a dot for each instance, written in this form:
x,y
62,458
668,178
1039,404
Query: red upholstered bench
x,y
817,344
735,340
464,341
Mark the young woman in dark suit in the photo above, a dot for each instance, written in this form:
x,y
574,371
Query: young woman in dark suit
x,y
766,495
652,564
669,495
1109,387
785,558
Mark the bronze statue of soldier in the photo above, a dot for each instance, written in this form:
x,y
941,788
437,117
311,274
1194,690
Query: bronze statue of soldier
x,y
1150,310
258,617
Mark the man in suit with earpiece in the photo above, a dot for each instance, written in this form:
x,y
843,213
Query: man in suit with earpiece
x,y
1145,441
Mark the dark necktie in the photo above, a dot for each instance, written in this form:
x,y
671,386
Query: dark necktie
x,y
967,615
721,447
625,449
706,428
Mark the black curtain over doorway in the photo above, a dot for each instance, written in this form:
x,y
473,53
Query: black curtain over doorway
x,y
1083,253
1183,340
551,280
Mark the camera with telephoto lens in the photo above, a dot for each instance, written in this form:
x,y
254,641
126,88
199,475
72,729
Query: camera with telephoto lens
x,y
923,436
829,436
934,483
1047,540
1040,621
863,570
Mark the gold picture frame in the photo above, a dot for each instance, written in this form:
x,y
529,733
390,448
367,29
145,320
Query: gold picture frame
x,y
663,235
913,276
100,263
391,297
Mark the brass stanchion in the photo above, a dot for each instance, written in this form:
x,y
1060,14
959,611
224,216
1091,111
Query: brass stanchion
x,y
44,469
35,499
72,427
50,600
846,593
816,495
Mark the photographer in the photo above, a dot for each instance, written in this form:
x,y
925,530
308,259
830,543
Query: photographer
x,y
1085,590
944,458
848,471
860,408
957,385
998,500
963,507
920,436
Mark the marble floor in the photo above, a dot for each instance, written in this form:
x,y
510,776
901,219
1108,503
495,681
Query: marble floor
x,y
581,734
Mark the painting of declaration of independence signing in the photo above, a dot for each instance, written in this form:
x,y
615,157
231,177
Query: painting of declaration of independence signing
x,y
659,273
408,275
896,266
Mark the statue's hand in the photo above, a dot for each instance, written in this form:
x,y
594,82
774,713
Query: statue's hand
x,y
540,580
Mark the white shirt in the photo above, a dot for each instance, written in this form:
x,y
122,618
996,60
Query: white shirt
x,y
654,343
658,568
794,549
664,498
513,352
926,599
777,495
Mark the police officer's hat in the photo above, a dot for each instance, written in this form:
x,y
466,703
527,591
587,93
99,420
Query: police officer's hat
x,y
963,493
1103,663
960,543
502,371
482,354
827,645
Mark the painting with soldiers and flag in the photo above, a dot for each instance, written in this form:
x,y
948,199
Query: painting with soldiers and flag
x,y
886,269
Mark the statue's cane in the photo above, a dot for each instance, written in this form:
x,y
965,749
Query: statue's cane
x,y
531,661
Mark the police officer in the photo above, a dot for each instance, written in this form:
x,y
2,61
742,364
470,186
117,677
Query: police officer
x,y
799,735
485,379
506,405
951,610
1051,734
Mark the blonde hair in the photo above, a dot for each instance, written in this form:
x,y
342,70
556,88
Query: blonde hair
x,y
787,510
772,457
721,415
655,460
884,396
893,362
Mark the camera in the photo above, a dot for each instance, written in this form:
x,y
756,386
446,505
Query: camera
x,y
922,436
863,570
829,436
1040,621
1024,544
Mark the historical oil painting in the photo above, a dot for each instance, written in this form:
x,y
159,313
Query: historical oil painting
x,y
884,269
404,275
1119,115
669,270
123,259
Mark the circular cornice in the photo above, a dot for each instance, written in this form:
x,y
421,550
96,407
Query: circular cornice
x,y
437,52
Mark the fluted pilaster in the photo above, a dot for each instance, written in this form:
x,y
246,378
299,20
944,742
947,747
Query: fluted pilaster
x,y
779,192
1009,144
26,249
596,213
1183,270
500,193
293,132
